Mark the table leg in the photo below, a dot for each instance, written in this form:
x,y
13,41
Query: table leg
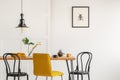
x,y
72,68
68,66
69,69
69,77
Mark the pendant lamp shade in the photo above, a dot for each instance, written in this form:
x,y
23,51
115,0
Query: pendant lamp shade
x,y
22,21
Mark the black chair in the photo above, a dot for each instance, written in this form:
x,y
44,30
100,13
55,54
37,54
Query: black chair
x,y
13,70
83,65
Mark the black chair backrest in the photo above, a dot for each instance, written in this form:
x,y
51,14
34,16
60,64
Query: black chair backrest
x,y
16,63
85,65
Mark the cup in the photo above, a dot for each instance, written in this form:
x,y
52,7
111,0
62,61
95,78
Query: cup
x,y
68,55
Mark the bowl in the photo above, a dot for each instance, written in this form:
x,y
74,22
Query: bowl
x,y
54,56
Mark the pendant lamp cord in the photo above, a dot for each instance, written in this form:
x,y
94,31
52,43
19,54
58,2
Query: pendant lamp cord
x,y
21,6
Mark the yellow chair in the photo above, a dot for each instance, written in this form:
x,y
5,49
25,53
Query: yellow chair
x,y
42,66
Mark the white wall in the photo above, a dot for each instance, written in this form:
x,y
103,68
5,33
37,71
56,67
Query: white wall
x,y
102,38
36,18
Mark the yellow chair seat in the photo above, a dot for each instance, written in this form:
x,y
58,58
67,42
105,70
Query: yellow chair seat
x,y
57,73
42,66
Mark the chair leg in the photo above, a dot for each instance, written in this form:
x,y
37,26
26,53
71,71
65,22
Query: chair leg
x,y
14,78
88,76
51,78
27,77
36,77
61,77
6,77
46,78
69,77
78,77
18,77
81,77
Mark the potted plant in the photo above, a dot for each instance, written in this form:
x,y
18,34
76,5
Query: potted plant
x,y
27,42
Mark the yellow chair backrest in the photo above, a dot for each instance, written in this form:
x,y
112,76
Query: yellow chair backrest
x,y
42,64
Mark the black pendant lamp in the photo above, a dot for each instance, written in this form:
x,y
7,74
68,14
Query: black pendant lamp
x,y
22,21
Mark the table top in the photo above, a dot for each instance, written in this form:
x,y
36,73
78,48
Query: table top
x,y
31,58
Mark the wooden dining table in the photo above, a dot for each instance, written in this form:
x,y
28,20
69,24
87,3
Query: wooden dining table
x,y
31,58
67,59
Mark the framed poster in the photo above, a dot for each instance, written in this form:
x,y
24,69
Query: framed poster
x,y
80,16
